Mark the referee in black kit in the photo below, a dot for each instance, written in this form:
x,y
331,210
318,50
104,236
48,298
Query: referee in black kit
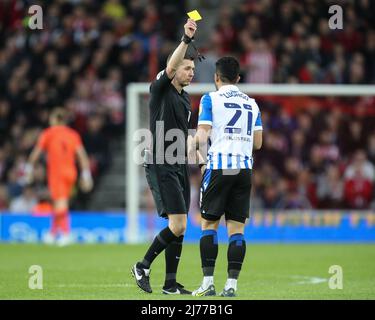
x,y
170,110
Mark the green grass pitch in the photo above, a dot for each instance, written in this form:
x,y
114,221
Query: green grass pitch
x,y
277,271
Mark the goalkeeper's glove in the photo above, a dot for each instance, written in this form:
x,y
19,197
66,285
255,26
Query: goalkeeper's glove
x,y
86,182
28,173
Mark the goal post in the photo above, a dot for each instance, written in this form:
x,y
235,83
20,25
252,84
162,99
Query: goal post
x,y
134,91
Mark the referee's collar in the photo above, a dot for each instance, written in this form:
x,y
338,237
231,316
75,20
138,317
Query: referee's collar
x,y
228,87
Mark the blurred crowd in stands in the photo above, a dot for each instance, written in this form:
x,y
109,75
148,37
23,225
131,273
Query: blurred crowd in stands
x,y
314,155
89,50
291,42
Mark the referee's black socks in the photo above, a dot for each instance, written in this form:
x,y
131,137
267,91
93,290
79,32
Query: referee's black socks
x,y
209,249
236,254
161,241
172,258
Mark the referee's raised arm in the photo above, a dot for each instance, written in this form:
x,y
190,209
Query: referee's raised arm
x,y
178,55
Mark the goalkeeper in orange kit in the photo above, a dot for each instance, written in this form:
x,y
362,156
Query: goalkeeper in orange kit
x,y
62,146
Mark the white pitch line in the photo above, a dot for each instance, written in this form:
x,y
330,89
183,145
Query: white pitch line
x,y
309,280
97,285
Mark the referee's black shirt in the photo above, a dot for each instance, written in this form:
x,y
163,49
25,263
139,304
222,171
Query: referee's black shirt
x,y
174,110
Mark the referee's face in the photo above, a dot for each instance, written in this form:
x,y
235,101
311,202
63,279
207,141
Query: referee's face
x,y
185,72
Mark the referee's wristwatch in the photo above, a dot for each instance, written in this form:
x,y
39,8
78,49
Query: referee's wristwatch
x,y
186,39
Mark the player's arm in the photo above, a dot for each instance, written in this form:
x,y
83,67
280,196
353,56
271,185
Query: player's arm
x,y
35,155
200,140
178,55
197,146
33,159
258,139
258,132
86,182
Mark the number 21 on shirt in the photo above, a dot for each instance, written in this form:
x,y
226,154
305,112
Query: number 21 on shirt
x,y
230,128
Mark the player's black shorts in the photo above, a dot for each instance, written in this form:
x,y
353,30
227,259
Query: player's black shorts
x,y
170,187
223,193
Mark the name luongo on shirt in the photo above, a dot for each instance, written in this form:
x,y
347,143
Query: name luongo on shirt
x,y
234,93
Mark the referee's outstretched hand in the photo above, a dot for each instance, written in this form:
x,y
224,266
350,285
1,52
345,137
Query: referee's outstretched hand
x,y
190,27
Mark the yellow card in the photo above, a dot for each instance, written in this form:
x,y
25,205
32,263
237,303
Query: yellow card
x,y
194,15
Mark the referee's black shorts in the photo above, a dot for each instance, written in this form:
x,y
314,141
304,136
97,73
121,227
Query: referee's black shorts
x,y
170,187
225,193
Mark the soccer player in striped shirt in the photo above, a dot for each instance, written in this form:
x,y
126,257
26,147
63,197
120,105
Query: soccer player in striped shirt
x,y
231,120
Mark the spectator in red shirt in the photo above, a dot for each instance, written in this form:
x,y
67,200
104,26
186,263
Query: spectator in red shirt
x,y
359,182
358,191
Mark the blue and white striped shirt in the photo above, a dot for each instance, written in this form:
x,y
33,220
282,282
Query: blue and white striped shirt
x,y
234,117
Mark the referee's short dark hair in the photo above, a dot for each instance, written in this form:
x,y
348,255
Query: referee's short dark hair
x,y
187,56
228,69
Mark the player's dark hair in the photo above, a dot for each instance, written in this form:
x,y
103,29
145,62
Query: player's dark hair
x,y
228,69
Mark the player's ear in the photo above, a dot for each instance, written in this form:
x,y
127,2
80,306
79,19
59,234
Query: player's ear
x,y
238,79
216,77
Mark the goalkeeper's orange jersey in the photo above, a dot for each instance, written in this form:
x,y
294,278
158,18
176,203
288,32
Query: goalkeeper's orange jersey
x,y
60,144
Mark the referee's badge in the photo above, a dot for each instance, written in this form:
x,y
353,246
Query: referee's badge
x,y
159,74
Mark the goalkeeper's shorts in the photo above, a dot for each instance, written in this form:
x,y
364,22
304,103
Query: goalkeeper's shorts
x,y
60,186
